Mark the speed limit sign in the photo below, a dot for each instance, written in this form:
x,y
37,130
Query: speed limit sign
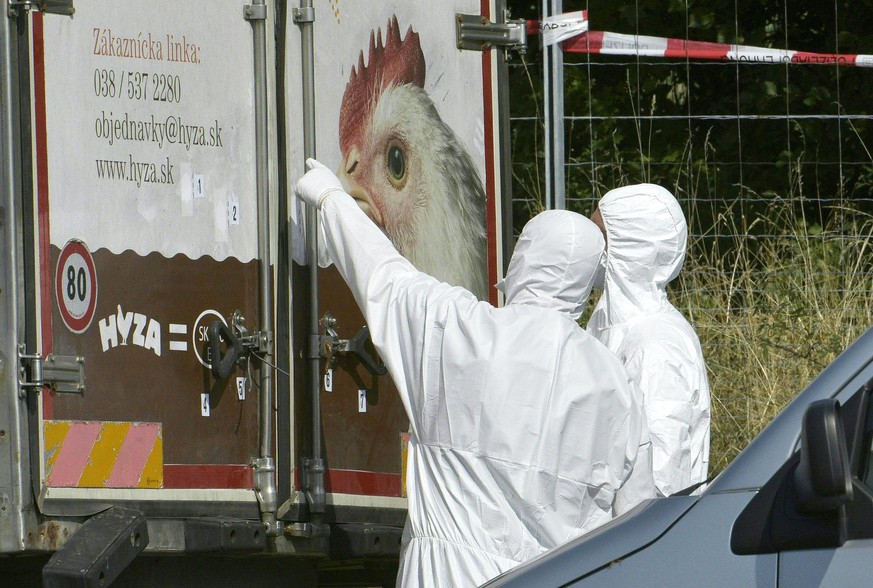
x,y
76,286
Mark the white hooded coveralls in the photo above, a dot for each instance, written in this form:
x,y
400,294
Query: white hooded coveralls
x,y
522,424
646,240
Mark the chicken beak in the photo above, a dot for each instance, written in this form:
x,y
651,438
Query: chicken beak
x,y
355,190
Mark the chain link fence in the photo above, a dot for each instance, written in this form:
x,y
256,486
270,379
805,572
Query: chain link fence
x,y
770,161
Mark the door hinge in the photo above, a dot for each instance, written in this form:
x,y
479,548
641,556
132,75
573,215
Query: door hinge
x,y
64,7
61,373
303,15
255,12
477,33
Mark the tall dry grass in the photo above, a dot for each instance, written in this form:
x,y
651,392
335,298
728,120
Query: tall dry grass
x,y
772,311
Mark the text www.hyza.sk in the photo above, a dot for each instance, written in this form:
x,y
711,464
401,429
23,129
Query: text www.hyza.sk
x,y
139,172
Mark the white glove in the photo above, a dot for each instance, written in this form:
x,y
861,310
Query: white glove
x,y
317,184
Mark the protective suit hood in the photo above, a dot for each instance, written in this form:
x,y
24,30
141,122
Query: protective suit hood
x,y
646,240
554,262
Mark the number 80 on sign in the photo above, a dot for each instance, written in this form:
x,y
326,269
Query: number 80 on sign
x,y
76,286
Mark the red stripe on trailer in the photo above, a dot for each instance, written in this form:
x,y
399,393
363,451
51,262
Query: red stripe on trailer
x,y
44,243
363,483
490,191
188,476
358,482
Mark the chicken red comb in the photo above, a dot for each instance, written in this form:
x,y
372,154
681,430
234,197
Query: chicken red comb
x,y
399,61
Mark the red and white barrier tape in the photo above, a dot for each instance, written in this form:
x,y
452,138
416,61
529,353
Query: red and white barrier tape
x,y
600,42
561,27
637,45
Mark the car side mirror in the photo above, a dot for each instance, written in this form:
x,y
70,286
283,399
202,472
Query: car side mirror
x,y
803,505
823,480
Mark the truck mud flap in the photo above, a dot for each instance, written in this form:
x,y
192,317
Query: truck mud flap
x,y
99,551
220,535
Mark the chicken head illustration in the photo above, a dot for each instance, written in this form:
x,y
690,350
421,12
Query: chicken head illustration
x,y
407,169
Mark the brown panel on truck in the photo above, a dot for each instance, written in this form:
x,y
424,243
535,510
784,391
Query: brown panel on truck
x,y
368,441
143,347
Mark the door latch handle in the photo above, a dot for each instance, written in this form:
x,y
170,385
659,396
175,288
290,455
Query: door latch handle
x,y
239,344
331,344
222,365
356,346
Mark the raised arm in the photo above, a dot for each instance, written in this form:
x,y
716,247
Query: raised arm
x,y
399,303
355,244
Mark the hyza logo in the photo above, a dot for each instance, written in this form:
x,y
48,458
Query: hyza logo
x,y
123,328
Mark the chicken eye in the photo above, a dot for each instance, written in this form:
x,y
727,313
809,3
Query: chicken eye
x,y
396,162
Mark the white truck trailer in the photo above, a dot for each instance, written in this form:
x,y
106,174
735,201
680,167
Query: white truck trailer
x,y
186,399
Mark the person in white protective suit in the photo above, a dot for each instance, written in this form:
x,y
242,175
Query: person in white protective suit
x,y
646,236
522,425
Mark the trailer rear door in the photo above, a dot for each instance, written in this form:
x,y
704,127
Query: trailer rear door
x,y
148,233
363,52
